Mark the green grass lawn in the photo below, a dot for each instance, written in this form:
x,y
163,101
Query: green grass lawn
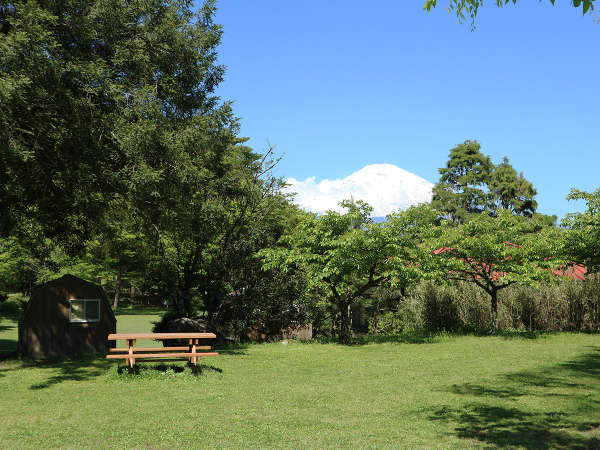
x,y
449,392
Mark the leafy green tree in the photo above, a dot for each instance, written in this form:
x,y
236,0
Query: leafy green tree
x,y
196,190
496,252
583,238
254,299
464,8
413,226
269,302
29,255
463,186
120,246
24,264
471,184
108,100
511,191
207,215
18,268
346,255
91,97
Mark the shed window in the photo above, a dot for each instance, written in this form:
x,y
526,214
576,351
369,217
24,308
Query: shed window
x,y
85,310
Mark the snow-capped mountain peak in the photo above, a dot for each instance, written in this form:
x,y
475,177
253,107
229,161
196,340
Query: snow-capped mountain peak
x,y
386,187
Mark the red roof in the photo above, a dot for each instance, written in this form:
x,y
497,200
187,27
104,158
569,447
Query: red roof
x,y
574,272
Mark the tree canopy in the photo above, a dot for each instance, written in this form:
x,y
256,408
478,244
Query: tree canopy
x,y
470,8
511,191
116,149
95,99
583,239
471,184
345,256
496,252
116,146
462,188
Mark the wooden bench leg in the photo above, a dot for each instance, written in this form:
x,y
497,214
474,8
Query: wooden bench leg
x,y
192,349
131,358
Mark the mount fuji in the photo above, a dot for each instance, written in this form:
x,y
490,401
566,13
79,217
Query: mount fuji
x,y
386,187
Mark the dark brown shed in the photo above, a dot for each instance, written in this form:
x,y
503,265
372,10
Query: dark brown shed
x,y
66,317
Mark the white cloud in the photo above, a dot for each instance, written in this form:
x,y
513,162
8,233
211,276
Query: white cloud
x,y
385,187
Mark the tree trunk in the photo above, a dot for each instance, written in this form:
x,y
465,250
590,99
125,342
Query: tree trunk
x,y
118,288
185,293
183,301
333,322
375,320
186,301
344,331
494,321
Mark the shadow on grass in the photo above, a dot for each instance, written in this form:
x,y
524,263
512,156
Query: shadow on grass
x,y
7,327
412,337
162,367
479,390
431,337
508,427
565,427
232,349
513,334
140,311
71,370
8,348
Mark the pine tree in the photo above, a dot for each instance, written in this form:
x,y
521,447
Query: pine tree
x,y
511,191
463,186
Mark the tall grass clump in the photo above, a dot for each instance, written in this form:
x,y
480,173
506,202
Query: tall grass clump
x,y
567,305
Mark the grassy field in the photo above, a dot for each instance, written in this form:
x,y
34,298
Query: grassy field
x,y
445,392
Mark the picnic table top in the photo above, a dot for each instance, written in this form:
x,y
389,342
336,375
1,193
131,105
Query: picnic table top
x,y
118,336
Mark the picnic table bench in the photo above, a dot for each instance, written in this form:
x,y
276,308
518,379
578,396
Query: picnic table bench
x,y
134,354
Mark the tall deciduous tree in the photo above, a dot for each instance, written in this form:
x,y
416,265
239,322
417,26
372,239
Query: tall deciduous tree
x,y
208,213
583,238
92,95
120,245
496,252
347,255
109,100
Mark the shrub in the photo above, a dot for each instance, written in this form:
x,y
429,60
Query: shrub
x,y
440,311
406,319
567,305
13,305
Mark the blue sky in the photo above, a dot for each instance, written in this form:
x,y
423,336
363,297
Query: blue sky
x,y
339,85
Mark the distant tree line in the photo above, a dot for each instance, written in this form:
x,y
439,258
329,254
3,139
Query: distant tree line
x,y
123,167
481,228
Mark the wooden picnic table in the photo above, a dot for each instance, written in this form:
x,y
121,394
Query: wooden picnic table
x,y
133,354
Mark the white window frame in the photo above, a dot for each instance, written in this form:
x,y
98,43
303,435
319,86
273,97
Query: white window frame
x,y
85,303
